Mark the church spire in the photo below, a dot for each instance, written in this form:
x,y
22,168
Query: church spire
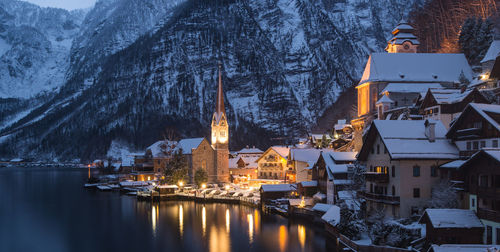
x,y
219,103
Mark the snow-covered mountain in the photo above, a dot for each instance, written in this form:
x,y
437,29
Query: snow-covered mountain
x,y
137,67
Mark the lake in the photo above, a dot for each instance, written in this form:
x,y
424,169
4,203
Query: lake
x,y
47,209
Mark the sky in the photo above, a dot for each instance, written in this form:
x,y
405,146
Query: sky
x,y
65,4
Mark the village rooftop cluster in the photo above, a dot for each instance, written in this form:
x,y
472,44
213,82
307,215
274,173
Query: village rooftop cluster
x,y
416,170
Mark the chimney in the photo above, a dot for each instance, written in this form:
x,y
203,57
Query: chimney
x,y
430,130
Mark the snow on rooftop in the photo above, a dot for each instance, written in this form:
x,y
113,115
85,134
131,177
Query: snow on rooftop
x,y
189,144
321,207
278,188
250,151
484,109
344,156
309,183
343,195
420,88
465,248
452,218
494,153
453,164
384,99
406,139
281,150
306,155
332,216
159,148
492,52
449,96
416,67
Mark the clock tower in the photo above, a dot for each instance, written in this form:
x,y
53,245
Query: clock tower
x,y
220,138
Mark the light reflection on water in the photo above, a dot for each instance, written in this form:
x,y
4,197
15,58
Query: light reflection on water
x,y
51,207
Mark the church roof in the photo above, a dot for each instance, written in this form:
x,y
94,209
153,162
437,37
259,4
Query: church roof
x,y
420,88
188,144
416,67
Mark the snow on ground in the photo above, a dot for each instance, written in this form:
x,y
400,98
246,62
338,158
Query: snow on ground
x,y
120,150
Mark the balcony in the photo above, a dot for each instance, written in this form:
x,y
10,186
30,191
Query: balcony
x,y
393,200
467,154
377,177
487,214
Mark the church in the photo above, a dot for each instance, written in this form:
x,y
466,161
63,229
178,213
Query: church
x,y
214,156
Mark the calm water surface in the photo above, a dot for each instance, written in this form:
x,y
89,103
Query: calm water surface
x,y
47,209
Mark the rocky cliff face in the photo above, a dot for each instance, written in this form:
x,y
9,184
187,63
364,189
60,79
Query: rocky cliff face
x,y
138,67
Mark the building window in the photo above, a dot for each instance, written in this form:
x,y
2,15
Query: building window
x,y
223,133
416,171
497,181
434,171
393,211
478,125
371,168
469,146
393,191
475,145
373,150
385,149
393,171
498,236
483,144
483,181
378,149
494,143
489,231
473,203
371,188
416,192
385,190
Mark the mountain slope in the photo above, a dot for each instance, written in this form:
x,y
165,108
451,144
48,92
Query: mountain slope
x,y
284,62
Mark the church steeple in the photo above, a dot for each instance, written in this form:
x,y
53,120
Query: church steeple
x,y
403,40
219,103
220,129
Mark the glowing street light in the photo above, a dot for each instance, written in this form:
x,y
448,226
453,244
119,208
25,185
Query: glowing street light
x,y
181,184
203,186
226,187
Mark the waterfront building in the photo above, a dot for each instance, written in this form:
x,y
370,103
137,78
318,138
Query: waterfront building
x,y
402,159
302,160
160,153
273,164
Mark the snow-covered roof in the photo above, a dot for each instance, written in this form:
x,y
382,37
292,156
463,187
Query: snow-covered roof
x,y
250,162
168,186
494,153
319,196
233,162
332,216
452,218
384,99
406,139
281,150
321,207
344,156
453,164
189,144
449,96
416,67
159,148
344,195
420,88
278,188
16,160
465,248
320,136
250,151
342,181
309,183
492,52
485,109
306,155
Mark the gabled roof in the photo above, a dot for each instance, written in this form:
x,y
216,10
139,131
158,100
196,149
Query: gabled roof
x,y
484,110
406,139
159,148
188,144
384,99
250,151
416,67
449,96
492,52
344,156
491,153
281,150
452,218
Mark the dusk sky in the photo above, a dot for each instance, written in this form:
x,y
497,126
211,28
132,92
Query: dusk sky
x,y
65,4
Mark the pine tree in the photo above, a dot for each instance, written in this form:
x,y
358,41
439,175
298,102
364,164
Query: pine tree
x,y
176,169
200,177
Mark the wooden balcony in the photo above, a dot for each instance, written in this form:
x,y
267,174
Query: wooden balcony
x,y
377,177
393,200
487,214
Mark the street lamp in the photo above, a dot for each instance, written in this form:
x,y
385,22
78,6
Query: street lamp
x,y
181,184
203,186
